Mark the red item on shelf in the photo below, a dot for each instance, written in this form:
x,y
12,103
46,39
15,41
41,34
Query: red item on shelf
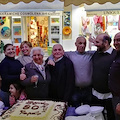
x,y
17,50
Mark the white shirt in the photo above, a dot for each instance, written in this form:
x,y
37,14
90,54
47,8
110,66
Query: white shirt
x,y
41,69
101,95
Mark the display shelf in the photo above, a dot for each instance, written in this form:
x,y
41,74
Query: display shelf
x,y
16,30
17,36
55,33
55,24
16,24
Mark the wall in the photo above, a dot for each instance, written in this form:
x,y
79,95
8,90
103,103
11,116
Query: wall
x,y
69,44
7,24
76,13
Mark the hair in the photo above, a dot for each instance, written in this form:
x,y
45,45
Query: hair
x,y
5,47
36,48
58,44
80,37
26,42
108,38
18,87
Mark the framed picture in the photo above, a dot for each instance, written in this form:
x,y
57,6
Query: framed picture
x,y
17,40
16,20
66,18
17,30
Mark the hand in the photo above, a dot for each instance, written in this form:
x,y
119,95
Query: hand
x,y
91,39
23,70
118,108
51,62
34,78
22,76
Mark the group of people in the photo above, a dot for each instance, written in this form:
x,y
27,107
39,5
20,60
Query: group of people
x,y
30,77
77,77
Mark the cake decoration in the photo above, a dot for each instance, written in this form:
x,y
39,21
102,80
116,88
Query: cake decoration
x,y
37,110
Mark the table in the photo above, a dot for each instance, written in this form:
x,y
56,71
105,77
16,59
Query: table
x,y
71,115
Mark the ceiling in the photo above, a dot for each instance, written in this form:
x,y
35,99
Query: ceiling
x,y
26,1
102,7
88,2
43,6
66,2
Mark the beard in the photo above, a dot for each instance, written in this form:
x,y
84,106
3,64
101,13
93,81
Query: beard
x,y
101,48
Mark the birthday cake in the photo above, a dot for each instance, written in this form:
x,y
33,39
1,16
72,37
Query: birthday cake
x,y
36,110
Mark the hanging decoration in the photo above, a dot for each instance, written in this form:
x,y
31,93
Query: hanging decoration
x,y
85,23
103,25
119,23
98,21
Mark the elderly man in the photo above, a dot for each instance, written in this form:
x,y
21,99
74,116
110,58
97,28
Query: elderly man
x,y
83,72
37,76
114,78
102,61
62,76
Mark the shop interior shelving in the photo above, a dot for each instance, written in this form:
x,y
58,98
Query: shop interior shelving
x,y
17,30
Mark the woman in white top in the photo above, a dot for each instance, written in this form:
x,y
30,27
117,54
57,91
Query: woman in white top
x,y
25,49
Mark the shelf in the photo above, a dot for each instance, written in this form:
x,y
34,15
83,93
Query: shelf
x,y
55,24
17,36
16,24
17,29
55,36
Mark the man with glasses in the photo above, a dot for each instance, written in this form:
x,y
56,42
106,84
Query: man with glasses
x,y
114,77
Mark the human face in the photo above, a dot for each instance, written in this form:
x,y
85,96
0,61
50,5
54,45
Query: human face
x,y
99,43
10,51
12,90
25,50
80,44
37,57
57,51
117,41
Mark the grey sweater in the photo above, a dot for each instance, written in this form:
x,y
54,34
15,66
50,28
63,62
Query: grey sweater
x,y
83,67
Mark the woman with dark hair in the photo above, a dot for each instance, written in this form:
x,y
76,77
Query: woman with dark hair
x,y
16,93
25,49
10,70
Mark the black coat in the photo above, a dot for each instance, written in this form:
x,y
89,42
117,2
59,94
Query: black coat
x,y
41,92
62,80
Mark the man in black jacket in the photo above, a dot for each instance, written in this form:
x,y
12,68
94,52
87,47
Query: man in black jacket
x,y
102,60
114,78
62,76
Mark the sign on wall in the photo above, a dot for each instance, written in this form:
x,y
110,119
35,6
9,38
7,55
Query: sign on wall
x,y
41,13
99,13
